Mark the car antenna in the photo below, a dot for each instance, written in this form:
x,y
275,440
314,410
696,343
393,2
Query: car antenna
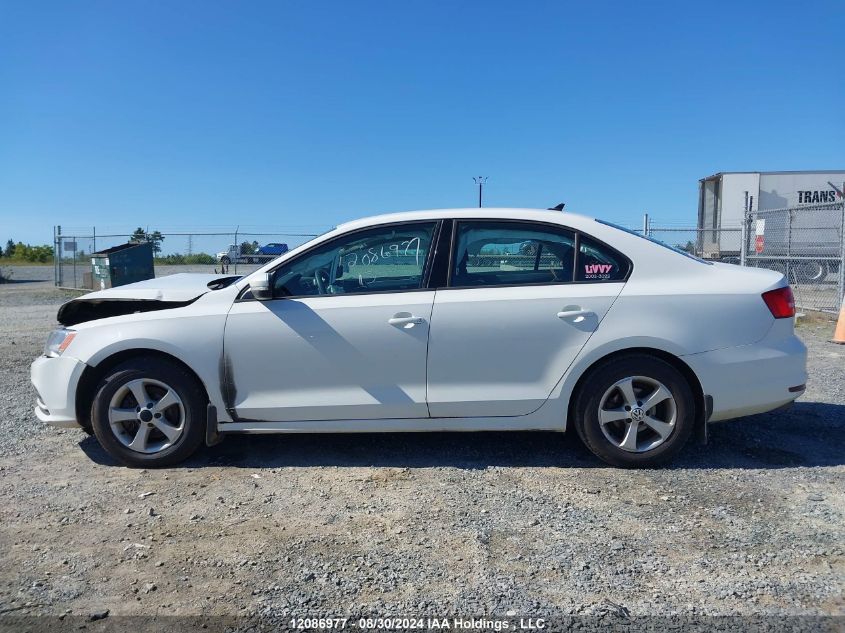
x,y
558,207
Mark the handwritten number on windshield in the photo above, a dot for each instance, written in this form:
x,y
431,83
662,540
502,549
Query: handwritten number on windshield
x,y
388,251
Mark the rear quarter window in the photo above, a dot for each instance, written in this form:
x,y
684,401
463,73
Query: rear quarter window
x,y
598,262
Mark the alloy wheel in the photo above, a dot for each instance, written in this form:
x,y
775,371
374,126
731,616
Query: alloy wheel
x,y
637,414
146,415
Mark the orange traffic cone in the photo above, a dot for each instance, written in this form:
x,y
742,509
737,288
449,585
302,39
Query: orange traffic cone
x,y
839,334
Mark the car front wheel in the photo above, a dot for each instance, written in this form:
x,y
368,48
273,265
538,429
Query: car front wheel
x,y
635,411
149,412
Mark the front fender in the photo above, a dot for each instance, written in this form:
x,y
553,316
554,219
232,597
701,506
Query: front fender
x,y
196,341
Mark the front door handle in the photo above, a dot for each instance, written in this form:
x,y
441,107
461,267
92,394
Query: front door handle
x,y
405,320
574,314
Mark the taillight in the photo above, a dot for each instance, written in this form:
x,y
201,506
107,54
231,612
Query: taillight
x,y
781,302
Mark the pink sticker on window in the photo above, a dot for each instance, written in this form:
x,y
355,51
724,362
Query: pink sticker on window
x,y
597,269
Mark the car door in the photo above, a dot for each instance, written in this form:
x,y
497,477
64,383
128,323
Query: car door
x,y
345,335
515,314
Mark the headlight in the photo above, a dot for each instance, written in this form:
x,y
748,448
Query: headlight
x,y
58,341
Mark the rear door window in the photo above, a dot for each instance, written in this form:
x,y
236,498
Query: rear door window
x,y
496,253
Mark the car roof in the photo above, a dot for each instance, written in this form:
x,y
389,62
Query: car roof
x,y
650,258
487,213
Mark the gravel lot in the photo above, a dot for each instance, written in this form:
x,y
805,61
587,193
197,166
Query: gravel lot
x,y
269,526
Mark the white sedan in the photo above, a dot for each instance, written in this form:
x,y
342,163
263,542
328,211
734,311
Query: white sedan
x,y
450,320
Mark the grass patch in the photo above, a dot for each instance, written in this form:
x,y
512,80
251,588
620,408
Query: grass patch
x,y
814,318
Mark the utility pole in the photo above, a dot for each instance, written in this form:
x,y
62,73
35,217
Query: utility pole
x,y
480,180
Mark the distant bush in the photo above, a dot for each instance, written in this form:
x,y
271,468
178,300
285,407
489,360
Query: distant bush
x,y
28,253
193,259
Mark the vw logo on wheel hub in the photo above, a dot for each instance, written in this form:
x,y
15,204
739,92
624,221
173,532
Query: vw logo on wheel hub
x,y
637,414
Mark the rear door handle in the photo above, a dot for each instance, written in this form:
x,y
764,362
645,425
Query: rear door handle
x,y
574,314
405,320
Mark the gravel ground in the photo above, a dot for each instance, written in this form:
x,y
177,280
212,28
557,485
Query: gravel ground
x,y
269,526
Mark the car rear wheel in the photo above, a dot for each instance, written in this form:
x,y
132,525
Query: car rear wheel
x,y
149,412
635,411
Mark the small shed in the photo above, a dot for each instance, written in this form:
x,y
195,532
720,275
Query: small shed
x,y
121,265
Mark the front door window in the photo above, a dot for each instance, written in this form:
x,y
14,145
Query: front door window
x,y
385,259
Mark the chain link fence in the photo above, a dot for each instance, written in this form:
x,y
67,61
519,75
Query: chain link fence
x,y
220,251
806,243
72,259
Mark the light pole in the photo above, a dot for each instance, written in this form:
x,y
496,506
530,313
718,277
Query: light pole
x,y
480,180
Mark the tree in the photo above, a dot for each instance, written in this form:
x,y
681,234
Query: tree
x,y
138,236
689,247
10,248
249,248
29,253
155,238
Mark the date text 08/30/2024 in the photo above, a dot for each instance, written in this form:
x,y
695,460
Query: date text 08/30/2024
x,y
419,623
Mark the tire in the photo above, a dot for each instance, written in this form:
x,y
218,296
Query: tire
x,y
225,260
118,417
809,271
604,387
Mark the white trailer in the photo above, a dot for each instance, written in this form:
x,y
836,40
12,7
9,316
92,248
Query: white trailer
x,y
795,209
724,197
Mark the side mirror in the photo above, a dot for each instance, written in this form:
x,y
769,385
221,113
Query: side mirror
x,y
262,288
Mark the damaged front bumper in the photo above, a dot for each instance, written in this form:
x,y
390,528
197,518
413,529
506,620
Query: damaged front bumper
x,y
55,380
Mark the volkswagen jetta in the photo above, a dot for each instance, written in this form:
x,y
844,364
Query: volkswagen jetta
x,y
450,320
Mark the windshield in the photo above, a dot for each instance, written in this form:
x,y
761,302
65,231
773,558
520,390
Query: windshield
x,y
674,249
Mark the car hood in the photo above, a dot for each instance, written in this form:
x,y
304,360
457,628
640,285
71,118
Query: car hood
x,y
161,293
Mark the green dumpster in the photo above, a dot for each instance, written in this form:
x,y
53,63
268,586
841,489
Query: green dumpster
x,y
121,265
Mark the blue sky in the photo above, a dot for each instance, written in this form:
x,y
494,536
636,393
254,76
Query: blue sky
x,y
301,115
